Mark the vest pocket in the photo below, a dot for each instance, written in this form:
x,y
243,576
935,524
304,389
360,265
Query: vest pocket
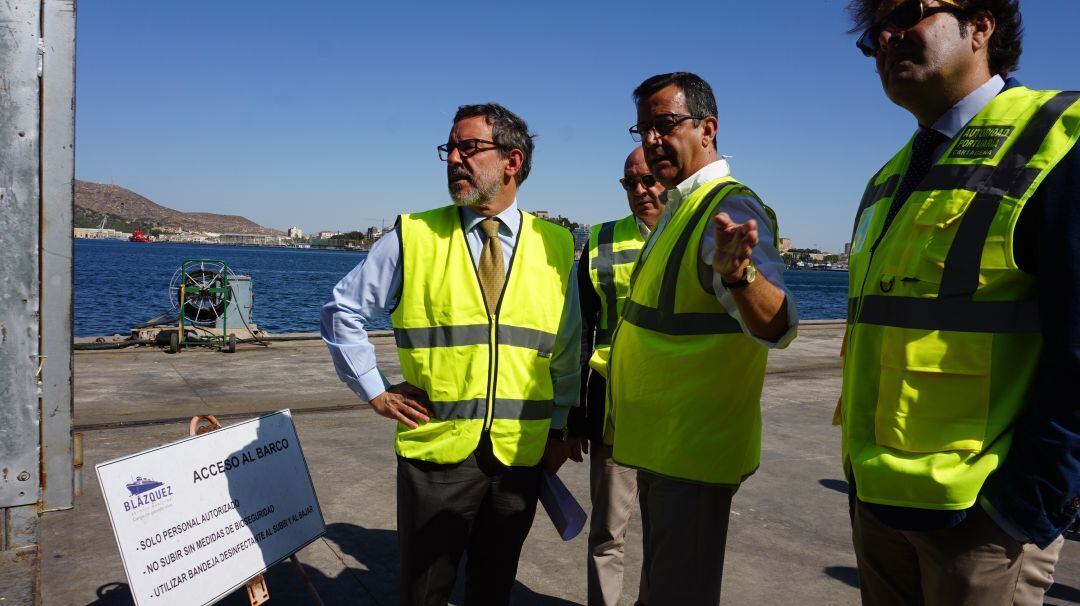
x,y
933,391
935,226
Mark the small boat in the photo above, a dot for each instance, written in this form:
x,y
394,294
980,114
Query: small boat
x,y
141,485
139,236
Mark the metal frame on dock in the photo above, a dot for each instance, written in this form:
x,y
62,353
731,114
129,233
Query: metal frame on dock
x,y
37,159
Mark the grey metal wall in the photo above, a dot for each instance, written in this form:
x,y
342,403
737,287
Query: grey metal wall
x,y
57,191
19,211
37,43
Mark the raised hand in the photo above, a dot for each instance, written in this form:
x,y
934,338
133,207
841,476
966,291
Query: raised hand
x,y
405,403
733,243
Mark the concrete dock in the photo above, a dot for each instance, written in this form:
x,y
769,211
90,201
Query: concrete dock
x,y
789,540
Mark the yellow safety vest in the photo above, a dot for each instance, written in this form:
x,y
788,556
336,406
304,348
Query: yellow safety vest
x,y
482,369
943,327
685,382
613,248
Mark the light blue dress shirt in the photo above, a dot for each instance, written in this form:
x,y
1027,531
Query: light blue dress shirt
x,y
950,123
374,286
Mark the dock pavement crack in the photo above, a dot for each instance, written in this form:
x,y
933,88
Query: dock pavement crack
x,y
191,387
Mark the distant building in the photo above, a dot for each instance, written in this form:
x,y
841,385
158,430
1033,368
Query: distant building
x,y
295,233
93,233
252,240
326,235
542,214
785,244
847,249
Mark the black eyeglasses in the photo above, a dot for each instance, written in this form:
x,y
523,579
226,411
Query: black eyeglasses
x,y
629,183
663,124
466,147
905,16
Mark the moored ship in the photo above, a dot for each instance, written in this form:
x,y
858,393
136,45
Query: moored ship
x,y
139,236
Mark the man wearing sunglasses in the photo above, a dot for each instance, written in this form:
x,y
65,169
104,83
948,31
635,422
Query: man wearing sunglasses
x,y
962,354
603,281
483,300
706,300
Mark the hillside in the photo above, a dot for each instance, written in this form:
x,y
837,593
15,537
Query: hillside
x,y
93,200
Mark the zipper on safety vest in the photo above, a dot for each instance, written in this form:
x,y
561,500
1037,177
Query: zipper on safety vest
x,y
493,360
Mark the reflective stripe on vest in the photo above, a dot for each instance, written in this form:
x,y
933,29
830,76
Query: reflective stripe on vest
x,y
474,334
681,371
482,370
943,330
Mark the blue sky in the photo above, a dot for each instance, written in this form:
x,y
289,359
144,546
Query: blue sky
x,y
326,114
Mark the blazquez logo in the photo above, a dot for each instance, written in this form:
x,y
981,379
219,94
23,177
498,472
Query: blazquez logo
x,y
145,491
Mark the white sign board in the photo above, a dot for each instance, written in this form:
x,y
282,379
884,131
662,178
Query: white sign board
x,y
197,518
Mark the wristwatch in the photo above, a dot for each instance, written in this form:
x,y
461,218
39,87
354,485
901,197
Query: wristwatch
x,y
561,435
749,275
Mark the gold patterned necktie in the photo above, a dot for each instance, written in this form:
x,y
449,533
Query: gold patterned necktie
x,y
491,270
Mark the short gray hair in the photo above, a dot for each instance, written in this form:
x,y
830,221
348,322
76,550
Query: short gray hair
x,y
508,131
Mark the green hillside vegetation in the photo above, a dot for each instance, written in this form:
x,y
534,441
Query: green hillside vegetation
x,y
84,217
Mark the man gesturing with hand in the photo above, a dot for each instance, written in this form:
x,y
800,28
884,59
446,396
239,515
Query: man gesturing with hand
x,y
483,299
759,302
687,361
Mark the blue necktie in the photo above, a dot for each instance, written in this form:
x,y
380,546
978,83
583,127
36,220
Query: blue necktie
x,y
922,158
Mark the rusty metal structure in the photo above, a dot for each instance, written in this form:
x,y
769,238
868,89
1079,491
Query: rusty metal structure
x,y
37,168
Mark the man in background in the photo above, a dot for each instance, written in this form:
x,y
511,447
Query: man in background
x,y
485,315
603,282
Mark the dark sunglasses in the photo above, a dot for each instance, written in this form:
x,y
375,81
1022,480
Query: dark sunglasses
x,y
629,183
905,16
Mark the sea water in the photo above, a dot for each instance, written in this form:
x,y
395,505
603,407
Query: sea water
x,y
121,284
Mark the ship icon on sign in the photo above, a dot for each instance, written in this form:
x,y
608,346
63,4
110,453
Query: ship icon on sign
x,y
141,485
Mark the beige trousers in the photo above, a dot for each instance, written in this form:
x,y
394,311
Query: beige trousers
x,y
973,564
614,498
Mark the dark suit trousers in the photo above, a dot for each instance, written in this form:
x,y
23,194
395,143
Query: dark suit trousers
x,y
479,507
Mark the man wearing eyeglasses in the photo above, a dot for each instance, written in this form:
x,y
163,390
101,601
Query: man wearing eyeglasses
x,y
706,301
483,300
603,281
962,359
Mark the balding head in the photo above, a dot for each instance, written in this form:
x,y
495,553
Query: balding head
x,y
646,202
636,157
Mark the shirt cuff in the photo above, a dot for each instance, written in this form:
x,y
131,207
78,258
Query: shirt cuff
x,y
567,389
728,301
369,385
558,417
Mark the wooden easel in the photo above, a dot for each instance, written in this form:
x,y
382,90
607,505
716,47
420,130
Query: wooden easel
x,y
258,592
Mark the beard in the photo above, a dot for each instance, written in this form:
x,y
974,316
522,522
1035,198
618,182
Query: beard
x,y
485,186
